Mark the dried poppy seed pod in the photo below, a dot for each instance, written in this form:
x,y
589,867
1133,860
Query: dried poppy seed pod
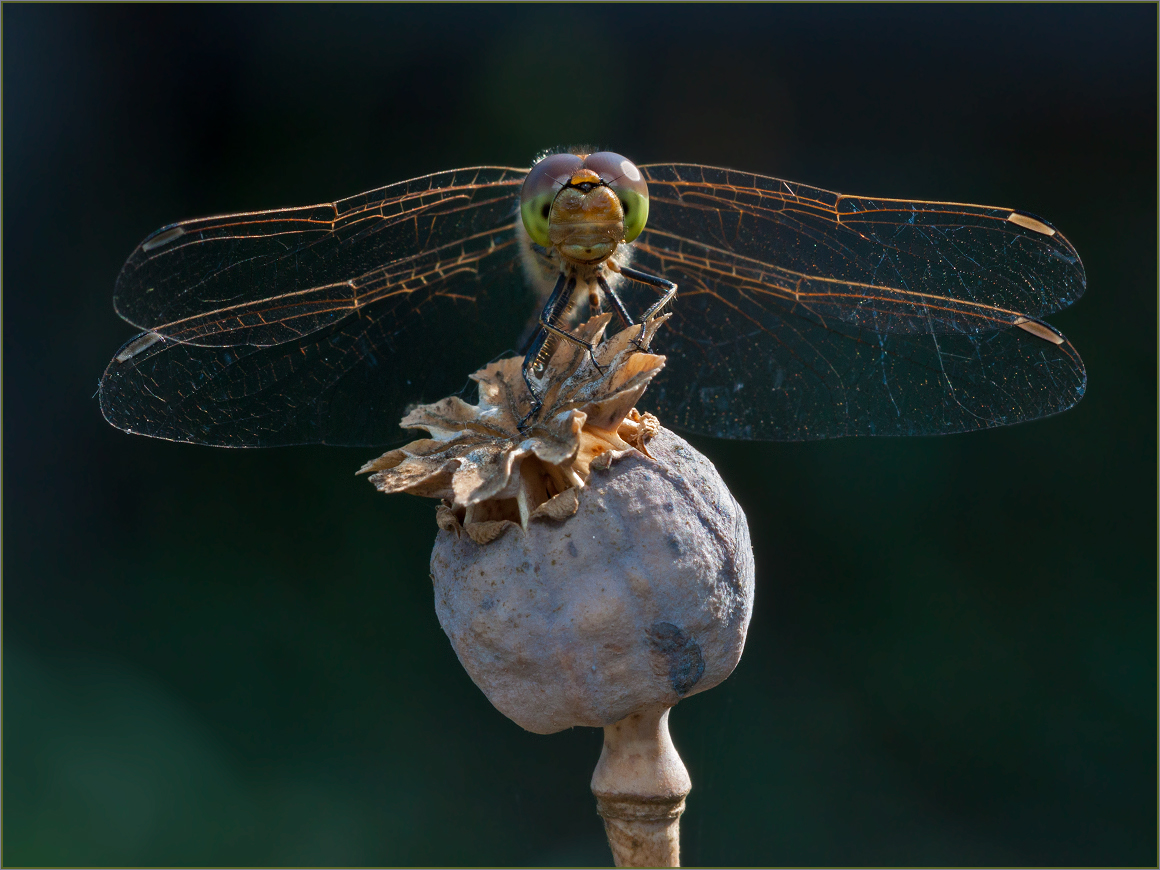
x,y
592,569
639,599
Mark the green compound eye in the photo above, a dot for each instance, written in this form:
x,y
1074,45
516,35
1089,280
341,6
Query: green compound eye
x,y
535,214
626,181
540,188
635,206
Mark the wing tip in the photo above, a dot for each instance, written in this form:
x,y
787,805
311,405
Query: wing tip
x,y
1040,329
162,237
1030,222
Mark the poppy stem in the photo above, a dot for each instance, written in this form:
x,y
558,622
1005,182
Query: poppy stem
x,y
640,785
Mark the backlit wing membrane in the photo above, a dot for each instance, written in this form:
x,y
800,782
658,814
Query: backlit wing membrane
x,y
801,313
806,314
319,324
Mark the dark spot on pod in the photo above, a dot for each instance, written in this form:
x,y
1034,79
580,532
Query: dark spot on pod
x,y
674,544
676,656
486,604
572,551
669,507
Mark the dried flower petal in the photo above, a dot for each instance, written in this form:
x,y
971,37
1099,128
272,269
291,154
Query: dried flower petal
x,y
491,471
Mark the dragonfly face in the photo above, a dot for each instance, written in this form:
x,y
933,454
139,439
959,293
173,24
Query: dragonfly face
x,y
802,313
584,205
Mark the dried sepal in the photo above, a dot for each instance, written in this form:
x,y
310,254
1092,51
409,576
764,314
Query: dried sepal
x,y
490,474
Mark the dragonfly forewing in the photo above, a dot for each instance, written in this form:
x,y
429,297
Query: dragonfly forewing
x,y
319,325
806,314
263,278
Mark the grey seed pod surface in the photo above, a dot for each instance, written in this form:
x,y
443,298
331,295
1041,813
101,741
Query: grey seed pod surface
x,y
643,597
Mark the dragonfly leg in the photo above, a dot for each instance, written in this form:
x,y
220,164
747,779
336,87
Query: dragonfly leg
x,y
559,303
558,333
538,351
617,303
666,288
529,360
556,309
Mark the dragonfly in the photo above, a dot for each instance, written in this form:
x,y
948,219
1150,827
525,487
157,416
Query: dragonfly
x,y
795,313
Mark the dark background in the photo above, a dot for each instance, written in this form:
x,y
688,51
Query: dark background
x,y
231,657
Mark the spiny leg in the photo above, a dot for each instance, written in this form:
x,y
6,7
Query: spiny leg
x,y
548,321
666,288
562,299
557,307
548,339
617,303
541,349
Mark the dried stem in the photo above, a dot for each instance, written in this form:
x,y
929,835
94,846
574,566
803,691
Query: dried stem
x,y
640,785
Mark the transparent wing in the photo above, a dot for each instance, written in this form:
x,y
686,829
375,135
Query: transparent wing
x,y
807,314
319,324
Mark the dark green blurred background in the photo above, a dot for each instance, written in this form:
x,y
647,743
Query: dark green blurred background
x,y
232,657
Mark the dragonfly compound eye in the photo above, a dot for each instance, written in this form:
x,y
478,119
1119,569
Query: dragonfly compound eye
x,y
626,181
545,180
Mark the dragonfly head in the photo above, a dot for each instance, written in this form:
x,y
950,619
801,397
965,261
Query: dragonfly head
x,y
584,205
